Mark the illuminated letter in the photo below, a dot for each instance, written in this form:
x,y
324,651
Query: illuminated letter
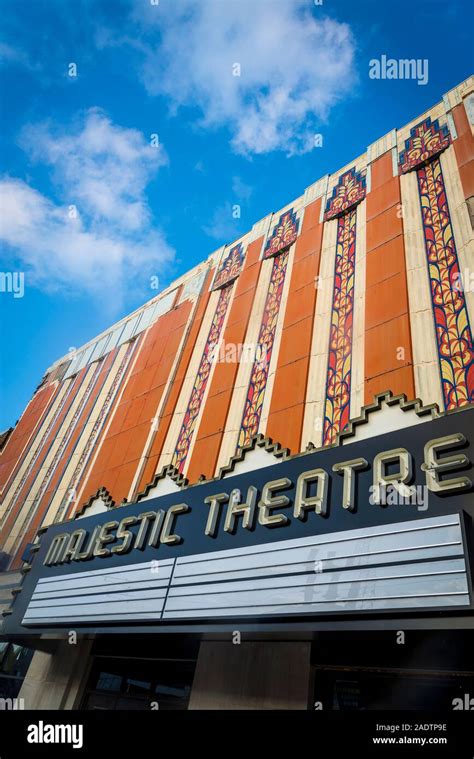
x,y
103,537
433,466
145,518
316,502
269,502
347,469
124,534
235,508
166,536
399,480
214,502
55,551
87,554
155,533
74,546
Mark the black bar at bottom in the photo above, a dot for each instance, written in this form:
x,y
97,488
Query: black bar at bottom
x,y
137,734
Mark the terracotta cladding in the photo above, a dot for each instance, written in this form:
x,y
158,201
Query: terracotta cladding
x,y
314,270
201,379
213,420
464,148
175,384
43,443
388,352
124,442
67,448
18,442
285,420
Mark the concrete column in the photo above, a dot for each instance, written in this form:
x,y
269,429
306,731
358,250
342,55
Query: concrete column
x,y
252,675
56,681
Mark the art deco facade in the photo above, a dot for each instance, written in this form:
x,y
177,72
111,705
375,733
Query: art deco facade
x,y
362,284
264,370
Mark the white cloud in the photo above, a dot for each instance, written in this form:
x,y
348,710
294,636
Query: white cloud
x,y
225,222
101,170
15,56
295,64
223,225
241,190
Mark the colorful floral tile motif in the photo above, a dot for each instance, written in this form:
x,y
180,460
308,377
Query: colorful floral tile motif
x,y
348,192
284,234
453,331
426,141
338,383
200,383
258,379
230,267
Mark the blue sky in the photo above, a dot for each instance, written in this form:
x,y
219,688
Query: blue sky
x,y
92,209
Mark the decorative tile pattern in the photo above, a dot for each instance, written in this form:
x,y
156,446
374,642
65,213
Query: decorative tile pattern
x,y
427,139
453,331
69,497
39,448
258,380
338,383
277,247
230,267
67,435
200,383
284,234
52,468
348,192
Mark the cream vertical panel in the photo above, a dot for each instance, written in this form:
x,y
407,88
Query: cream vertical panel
x,y
276,343
35,448
64,483
462,229
185,394
358,325
315,395
28,504
234,417
424,344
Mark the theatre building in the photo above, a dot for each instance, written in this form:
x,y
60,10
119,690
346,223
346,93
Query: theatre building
x,y
256,491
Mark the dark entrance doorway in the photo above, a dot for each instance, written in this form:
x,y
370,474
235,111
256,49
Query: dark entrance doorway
x,y
362,688
122,683
393,670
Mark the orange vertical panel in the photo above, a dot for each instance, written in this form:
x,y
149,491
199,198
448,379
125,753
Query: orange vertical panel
x,y
285,419
464,149
387,318
25,484
45,501
176,384
80,425
18,442
123,445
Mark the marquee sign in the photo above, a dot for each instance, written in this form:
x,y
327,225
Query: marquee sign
x,y
382,525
